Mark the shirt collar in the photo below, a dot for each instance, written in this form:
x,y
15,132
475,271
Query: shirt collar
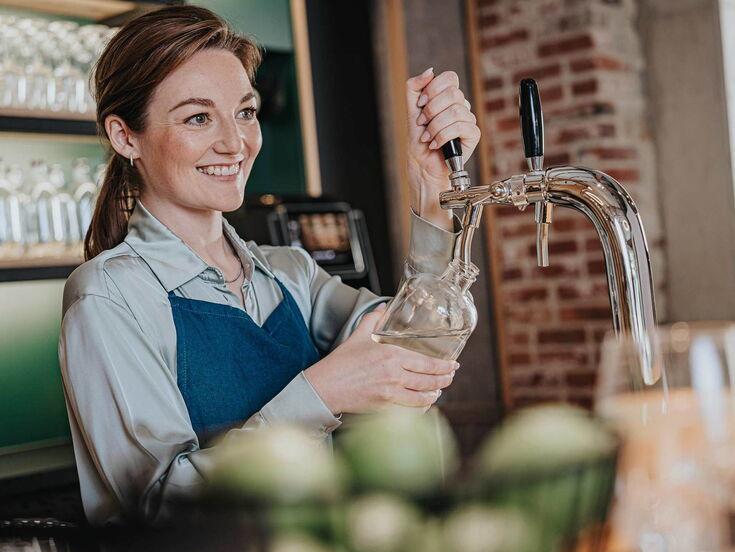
x,y
172,261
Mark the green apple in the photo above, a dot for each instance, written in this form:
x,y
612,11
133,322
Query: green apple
x,y
401,450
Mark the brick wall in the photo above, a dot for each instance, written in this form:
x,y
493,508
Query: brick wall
x,y
587,60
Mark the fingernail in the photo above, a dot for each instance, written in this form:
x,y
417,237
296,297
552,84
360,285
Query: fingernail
x,y
427,72
456,365
425,136
438,393
421,120
433,145
422,100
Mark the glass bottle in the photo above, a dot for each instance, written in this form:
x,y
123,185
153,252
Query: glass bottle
x,y
85,193
430,314
11,214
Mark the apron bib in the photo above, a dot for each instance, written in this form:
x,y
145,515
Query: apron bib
x,y
228,367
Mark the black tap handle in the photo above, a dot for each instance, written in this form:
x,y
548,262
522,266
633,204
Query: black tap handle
x,y
532,119
453,148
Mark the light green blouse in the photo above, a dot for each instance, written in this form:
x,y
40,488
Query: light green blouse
x,y
133,441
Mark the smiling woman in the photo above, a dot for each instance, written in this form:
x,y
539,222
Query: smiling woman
x,y
176,331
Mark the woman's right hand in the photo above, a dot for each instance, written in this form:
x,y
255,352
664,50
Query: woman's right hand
x,y
361,375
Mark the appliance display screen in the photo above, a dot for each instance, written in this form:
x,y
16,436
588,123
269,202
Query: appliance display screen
x,y
326,236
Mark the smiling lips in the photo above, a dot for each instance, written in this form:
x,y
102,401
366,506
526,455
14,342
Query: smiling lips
x,y
220,170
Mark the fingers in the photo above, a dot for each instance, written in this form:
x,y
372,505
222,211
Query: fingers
x,y
414,88
451,96
425,382
443,80
406,397
452,114
423,364
466,132
370,319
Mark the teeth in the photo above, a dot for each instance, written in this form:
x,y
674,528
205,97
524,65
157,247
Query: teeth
x,y
220,170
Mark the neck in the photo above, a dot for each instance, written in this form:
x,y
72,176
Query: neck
x,y
200,229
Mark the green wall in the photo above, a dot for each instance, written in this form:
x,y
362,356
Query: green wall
x,y
31,398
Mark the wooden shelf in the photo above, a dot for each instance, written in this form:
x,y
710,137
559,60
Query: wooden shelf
x,y
47,122
40,262
96,10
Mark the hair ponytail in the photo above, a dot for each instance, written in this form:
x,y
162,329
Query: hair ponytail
x,y
135,61
115,202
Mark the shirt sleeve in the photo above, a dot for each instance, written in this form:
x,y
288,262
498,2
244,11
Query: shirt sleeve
x,y
138,449
337,308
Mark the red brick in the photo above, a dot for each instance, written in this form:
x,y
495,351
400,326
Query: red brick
x,y
485,3
492,83
507,211
584,87
567,356
556,159
538,73
561,336
495,105
568,292
582,110
569,135
610,153
517,359
596,266
583,401
585,313
581,378
566,45
519,339
512,274
529,294
512,145
625,175
508,123
518,231
593,245
497,41
596,62
566,224
489,20
557,269
556,247
607,131
551,94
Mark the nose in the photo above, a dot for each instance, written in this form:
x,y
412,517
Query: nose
x,y
230,139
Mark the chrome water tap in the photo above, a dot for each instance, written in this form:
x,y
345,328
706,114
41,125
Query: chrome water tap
x,y
600,197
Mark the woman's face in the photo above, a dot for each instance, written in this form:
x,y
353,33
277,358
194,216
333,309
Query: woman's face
x,y
202,135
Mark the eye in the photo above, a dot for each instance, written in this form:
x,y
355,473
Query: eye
x,y
198,120
250,113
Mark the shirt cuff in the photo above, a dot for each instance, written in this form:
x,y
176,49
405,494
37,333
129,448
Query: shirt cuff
x,y
430,248
299,403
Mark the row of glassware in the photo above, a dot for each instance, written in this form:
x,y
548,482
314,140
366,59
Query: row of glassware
x,y
45,65
43,215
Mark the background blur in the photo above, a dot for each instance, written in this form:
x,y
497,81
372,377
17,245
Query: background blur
x,y
640,89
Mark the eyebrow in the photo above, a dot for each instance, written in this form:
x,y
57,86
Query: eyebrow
x,y
206,102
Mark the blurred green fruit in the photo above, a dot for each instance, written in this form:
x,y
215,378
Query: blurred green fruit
x,y
480,528
401,450
381,523
277,465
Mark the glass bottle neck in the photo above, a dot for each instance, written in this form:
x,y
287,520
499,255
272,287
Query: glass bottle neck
x,y
461,274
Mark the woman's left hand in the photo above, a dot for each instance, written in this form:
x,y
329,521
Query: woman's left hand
x,y
437,113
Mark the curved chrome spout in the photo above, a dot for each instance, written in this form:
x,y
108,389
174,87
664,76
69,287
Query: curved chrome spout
x,y
615,217
627,262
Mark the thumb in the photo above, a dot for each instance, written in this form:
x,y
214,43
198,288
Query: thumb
x,y
370,319
414,87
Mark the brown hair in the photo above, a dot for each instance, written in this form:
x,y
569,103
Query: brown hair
x,y
137,59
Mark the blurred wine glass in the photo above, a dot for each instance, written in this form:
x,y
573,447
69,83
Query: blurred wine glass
x,y
676,482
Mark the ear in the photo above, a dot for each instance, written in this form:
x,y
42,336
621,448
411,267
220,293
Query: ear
x,y
122,139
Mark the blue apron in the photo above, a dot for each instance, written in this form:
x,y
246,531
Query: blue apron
x,y
228,367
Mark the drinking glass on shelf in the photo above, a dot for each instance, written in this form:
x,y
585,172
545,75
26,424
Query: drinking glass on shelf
x,y
676,478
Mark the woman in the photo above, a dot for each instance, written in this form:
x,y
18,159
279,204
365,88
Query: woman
x,y
175,330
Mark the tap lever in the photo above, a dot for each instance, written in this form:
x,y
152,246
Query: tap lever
x,y
532,123
452,151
